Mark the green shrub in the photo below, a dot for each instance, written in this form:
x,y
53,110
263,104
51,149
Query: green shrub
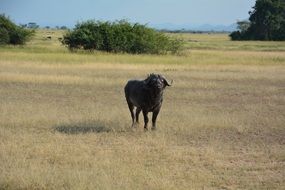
x,y
119,36
11,33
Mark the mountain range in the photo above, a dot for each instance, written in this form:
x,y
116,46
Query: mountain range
x,y
195,27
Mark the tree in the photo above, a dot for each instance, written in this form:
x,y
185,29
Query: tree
x,y
243,25
63,28
32,25
267,22
4,36
11,33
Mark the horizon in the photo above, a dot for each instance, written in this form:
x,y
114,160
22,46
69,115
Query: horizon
x,y
161,14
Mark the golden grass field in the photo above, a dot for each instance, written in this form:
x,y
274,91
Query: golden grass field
x,y
64,122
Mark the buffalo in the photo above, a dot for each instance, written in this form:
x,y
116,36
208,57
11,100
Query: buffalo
x,y
147,96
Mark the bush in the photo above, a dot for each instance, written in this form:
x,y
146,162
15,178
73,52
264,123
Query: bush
x,y
119,36
10,33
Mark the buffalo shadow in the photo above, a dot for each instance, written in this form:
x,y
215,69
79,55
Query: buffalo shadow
x,y
85,127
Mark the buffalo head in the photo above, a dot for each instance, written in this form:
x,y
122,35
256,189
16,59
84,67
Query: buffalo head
x,y
157,81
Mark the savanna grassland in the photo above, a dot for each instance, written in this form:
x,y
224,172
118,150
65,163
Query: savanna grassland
x,y
64,122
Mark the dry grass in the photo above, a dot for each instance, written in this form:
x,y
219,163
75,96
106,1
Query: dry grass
x,y
67,126
223,42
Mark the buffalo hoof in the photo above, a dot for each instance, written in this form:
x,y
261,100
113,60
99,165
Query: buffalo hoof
x,y
153,128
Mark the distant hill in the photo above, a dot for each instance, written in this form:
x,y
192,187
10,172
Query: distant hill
x,y
204,27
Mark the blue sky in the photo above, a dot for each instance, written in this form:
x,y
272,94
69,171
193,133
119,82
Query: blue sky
x,y
69,12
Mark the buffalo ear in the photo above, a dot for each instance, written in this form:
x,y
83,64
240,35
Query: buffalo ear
x,y
166,83
147,80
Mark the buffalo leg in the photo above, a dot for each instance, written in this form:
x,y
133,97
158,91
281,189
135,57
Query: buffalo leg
x,y
154,116
131,107
138,110
145,119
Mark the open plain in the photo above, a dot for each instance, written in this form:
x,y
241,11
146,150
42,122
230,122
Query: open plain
x,y
64,121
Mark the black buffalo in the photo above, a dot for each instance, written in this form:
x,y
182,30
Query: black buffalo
x,y
147,96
